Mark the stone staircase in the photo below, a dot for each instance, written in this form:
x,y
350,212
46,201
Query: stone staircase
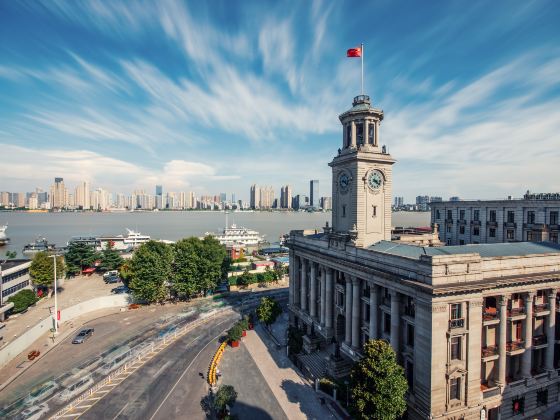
x,y
314,364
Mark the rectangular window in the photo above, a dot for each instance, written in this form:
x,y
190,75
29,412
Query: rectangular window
x,y
542,397
476,231
359,133
492,233
438,216
455,389
456,311
455,348
449,215
518,331
530,217
461,242
410,335
343,211
554,237
476,215
371,135
510,234
461,214
518,405
492,215
448,229
510,216
553,217
462,229
387,324
530,236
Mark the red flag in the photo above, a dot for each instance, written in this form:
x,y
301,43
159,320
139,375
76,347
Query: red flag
x,y
354,52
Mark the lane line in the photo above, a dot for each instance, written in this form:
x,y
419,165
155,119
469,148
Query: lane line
x,y
187,369
161,369
122,409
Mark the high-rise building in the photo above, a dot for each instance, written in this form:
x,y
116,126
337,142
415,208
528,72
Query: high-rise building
x,y
192,200
286,197
233,198
314,193
20,200
399,202
59,194
82,195
267,197
159,204
4,198
223,198
326,203
255,196
33,202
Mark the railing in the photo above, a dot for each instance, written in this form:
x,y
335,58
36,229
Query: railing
x,y
456,323
516,311
515,345
490,315
489,351
410,310
539,340
539,307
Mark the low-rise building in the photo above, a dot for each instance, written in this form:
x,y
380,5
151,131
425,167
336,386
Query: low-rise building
x,y
14,276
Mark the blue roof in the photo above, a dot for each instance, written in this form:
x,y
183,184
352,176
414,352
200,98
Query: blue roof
x,y
507,249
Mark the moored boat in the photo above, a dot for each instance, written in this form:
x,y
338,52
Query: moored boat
x,y
3,237
40,245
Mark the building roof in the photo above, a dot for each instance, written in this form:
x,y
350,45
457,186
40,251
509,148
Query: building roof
x,y
508,249
12,263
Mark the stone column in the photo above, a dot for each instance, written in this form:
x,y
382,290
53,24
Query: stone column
x,y
551,330
376,134
329,304
366,131
528,336
291,285
373,310
353,134
395,321
313,293
502,303
348,310
303,286
297,281
323,295
356,304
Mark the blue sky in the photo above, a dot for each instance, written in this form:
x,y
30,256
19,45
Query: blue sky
x,y
213,96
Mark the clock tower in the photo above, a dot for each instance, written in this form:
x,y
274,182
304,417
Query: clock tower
x,y
362,177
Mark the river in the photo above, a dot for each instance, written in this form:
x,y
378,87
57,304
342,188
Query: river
x,y
58,228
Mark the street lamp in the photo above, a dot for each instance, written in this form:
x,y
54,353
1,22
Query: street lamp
x,y
55,296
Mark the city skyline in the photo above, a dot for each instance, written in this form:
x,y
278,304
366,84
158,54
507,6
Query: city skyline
x,y
207,99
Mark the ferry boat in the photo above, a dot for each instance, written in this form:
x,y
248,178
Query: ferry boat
x,y
3,237
40,245
126,243
234,235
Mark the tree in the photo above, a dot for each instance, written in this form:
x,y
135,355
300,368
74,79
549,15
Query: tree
x,y
151,269
125,272
378,383
23,300
212,257
80,255
42,269
226,395
111,259
268,311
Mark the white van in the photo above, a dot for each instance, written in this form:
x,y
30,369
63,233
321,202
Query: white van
x,y
74,386
111,273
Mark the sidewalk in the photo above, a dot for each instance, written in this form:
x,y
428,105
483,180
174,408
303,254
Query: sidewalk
x,y
293,393
71,292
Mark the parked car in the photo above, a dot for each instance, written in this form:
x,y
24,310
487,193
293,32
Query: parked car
x,y
36,412
111,273
120,289
112,279
41,393
83,336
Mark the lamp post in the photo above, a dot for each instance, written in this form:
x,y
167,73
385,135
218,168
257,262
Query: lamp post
x,y
55,297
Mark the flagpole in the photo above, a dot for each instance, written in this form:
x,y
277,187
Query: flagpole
x,y
362,55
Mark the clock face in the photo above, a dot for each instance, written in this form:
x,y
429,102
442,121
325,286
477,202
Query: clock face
x,y
375,180
343,181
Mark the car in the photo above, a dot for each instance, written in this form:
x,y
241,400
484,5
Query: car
x,y
112,279
83,336
36,412
41,393
111,273
120,289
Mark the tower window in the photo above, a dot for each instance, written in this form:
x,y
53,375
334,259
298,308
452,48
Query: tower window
x,y
344,211
371,134
359,133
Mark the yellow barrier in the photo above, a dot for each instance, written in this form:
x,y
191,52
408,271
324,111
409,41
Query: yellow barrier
x,y
212,379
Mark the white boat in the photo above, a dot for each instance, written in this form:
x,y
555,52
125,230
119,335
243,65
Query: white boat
x,y
234,235
129,242
3,237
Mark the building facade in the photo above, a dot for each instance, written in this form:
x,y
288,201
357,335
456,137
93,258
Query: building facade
x,y
473,326
535,218
59,194
14,276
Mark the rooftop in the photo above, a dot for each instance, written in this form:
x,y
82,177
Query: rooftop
x,y
12,263
508,249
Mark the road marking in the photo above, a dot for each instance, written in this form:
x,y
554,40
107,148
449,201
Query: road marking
x,y
187,368
161,369
122,409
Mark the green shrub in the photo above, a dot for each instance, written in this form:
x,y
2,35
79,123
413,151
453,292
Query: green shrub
x,y
235,333
327,386
23,300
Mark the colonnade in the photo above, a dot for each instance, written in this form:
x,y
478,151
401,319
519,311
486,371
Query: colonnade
x,y
312,292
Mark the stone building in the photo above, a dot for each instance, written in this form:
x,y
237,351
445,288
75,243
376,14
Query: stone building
x,y
473,326
535,218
